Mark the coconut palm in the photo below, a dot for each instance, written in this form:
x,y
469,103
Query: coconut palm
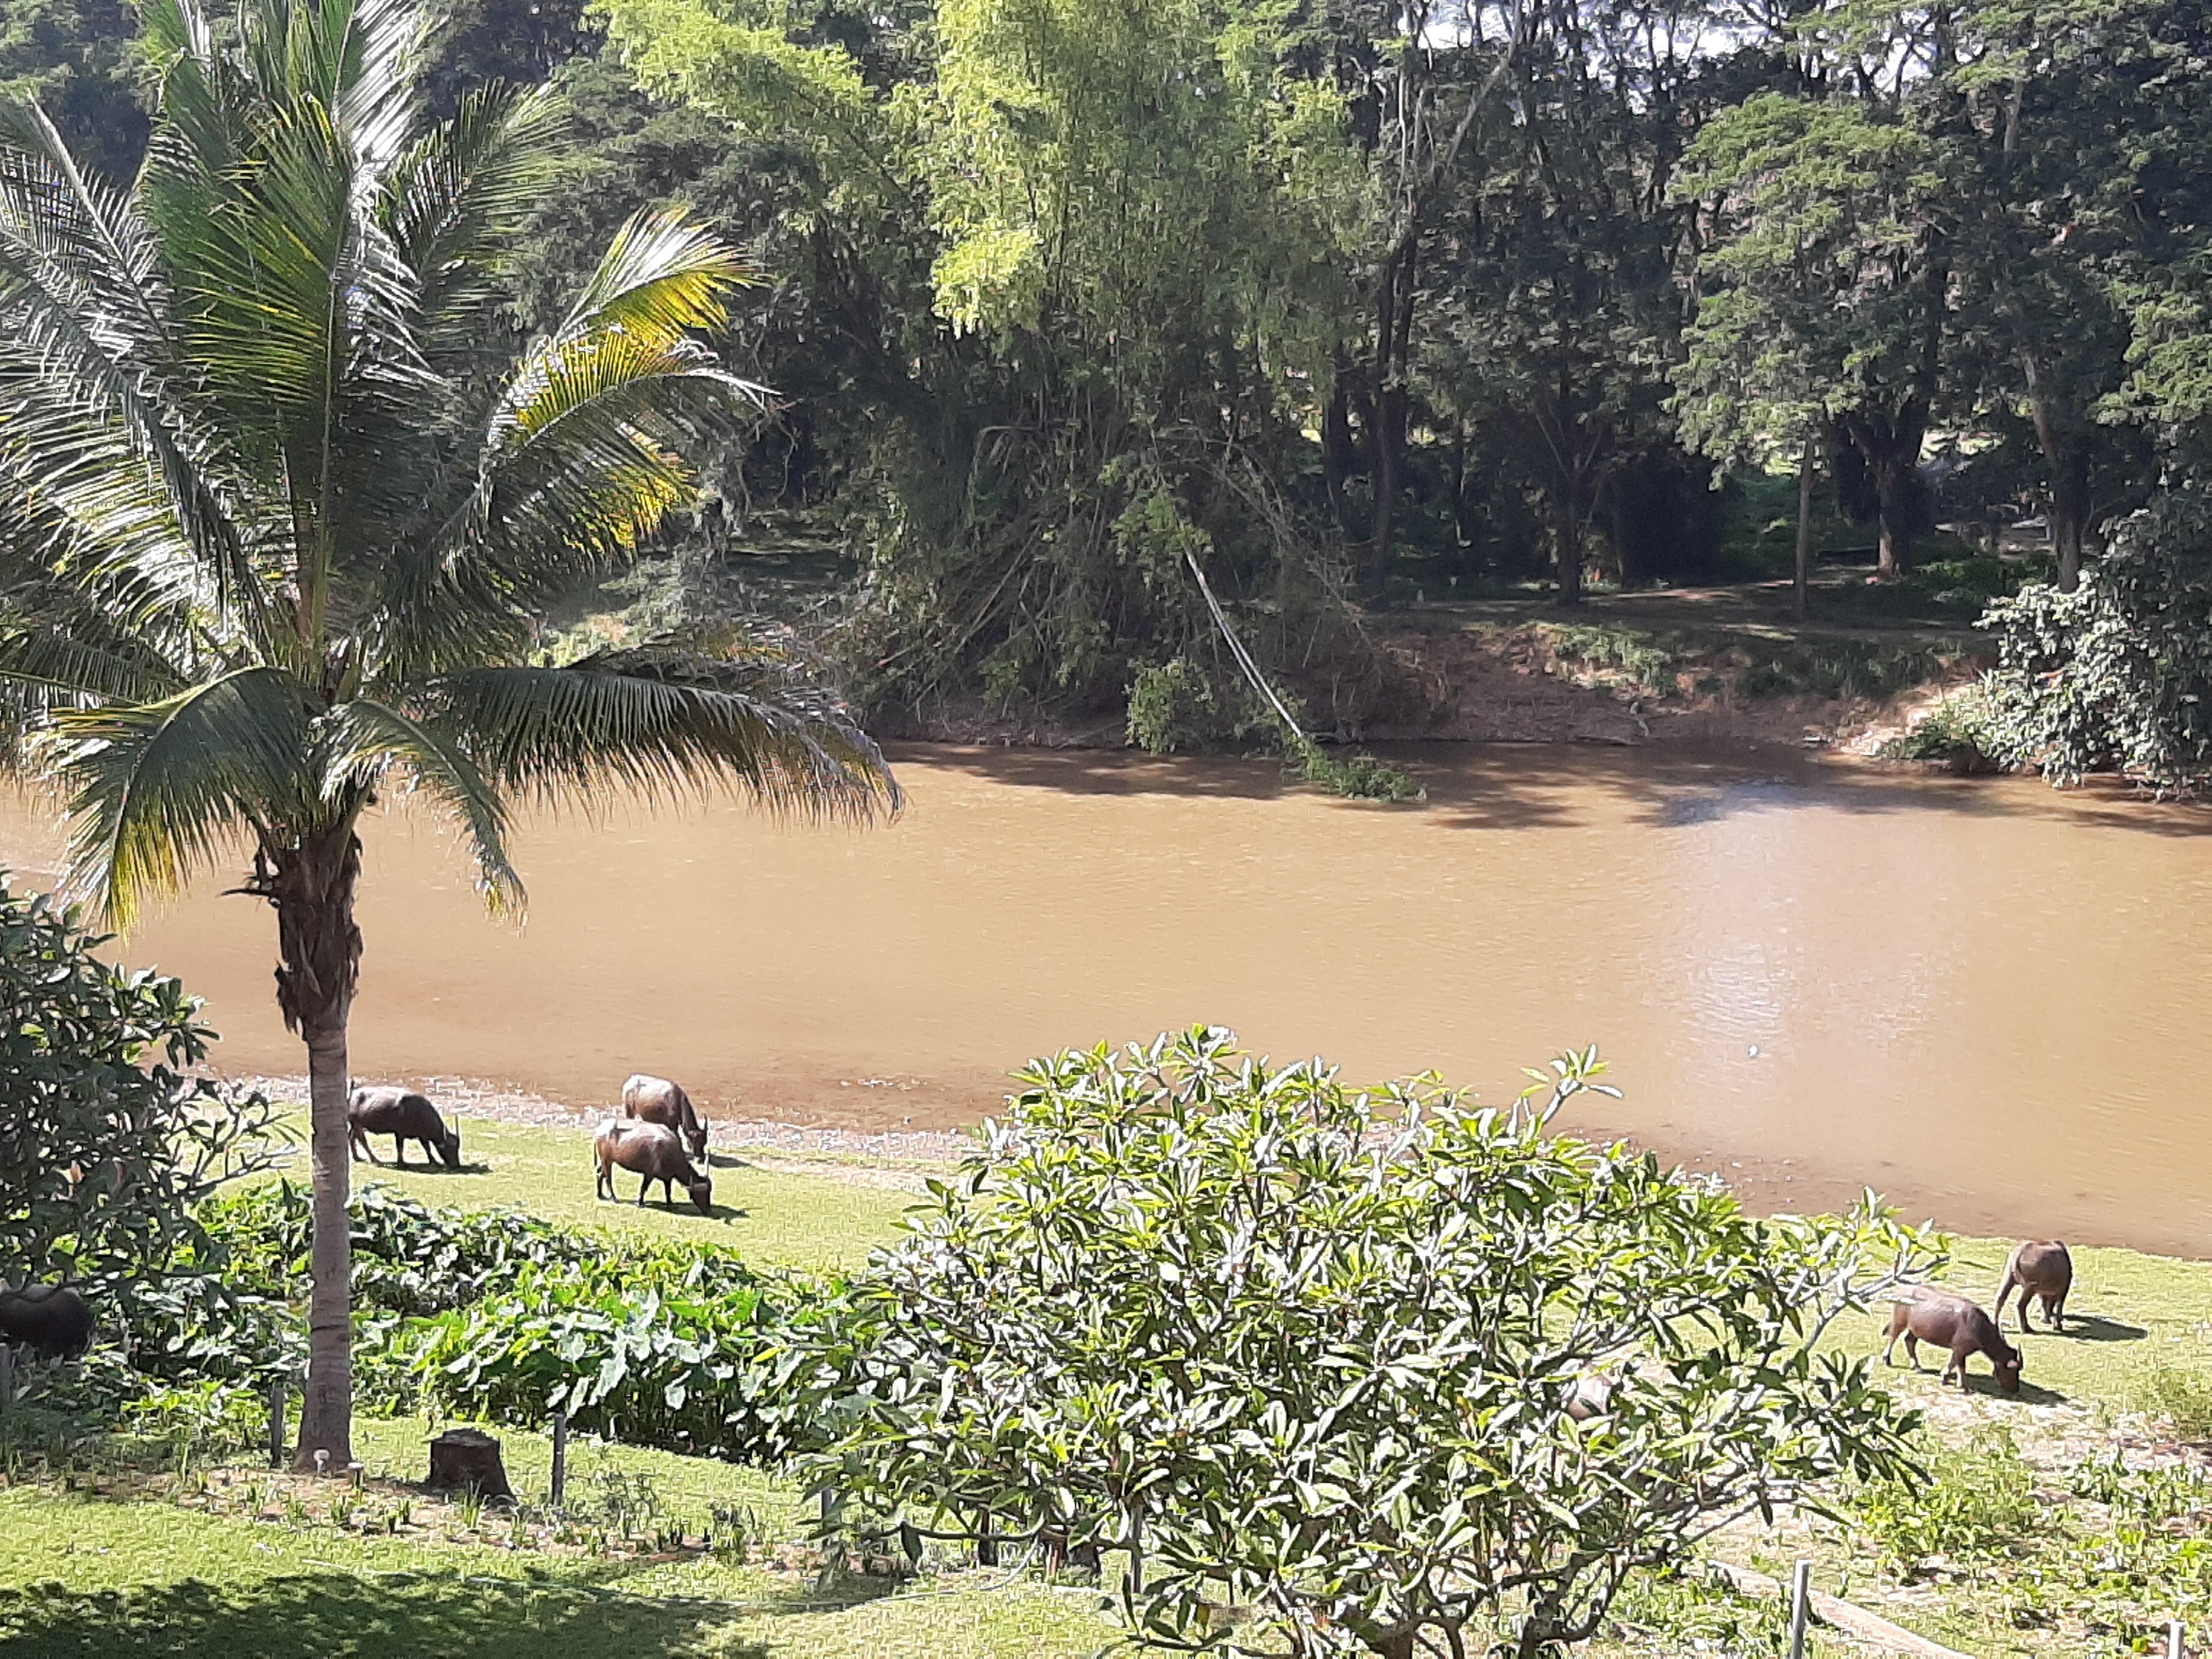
x,y
275,523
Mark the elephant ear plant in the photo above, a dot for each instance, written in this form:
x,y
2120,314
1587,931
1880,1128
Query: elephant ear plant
x,y
1305,1355
276,522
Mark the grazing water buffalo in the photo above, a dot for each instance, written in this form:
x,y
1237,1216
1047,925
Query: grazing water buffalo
x,y
2041,1269
1952,1322
656,1100
382,1109
50,1319
651,1152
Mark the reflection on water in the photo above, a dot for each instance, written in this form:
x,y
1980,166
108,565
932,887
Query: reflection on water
x,y
1977,996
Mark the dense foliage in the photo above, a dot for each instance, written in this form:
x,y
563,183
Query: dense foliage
x,y
1073,310
490,1314
2117,674
1310,1353
107,1139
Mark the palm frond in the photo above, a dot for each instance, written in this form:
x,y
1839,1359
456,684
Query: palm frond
x,y
368,739
158,789
88,423
668,721
661,278
462,192
586,456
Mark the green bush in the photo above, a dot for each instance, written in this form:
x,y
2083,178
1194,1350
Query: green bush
x,y
494,1314
1965,1501
2116,676
1960,731
107,1139
1312,1349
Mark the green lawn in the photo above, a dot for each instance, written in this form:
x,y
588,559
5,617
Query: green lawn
x,y
767,1216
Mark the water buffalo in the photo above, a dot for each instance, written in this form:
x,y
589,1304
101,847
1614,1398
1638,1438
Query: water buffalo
x,y
2043,1269
651,1152
1951,1321
383,1110
50,1319
656,1100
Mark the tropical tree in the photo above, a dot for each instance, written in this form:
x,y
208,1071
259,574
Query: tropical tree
x,y
277,518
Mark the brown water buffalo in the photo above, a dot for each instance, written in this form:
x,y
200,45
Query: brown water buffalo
x,y
2039,1268
656,1100
52,1320
1952,1322
651,1152
383,1110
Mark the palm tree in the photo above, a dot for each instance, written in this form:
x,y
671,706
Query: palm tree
x,y
275,523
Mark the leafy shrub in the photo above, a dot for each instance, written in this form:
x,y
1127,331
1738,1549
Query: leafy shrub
x,y
2116,676
1960,731
106,1141
496,1315
1312,1348
1967,1501
656,1351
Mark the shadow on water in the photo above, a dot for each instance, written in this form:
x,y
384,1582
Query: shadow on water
x,y
313,1615
1508,785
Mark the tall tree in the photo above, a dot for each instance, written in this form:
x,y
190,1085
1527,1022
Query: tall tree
x,y
281,530
1834,257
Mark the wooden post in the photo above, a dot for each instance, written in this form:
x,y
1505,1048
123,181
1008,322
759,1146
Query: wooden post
x,y
1801,1606
560,1457
277,1423
2173,1646
1800,587
986,1547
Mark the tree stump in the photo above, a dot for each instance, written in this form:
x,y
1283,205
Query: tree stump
x,y
468,1458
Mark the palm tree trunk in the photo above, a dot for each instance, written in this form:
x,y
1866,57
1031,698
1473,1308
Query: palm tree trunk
x,y
327,1416
311,881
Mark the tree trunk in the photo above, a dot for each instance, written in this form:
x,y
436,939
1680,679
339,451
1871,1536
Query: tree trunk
x,y
1895,475
310,882
1570,556
1801,596
2062,455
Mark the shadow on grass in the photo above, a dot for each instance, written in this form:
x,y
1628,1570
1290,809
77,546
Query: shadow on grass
x,y
2091,1328
310,1616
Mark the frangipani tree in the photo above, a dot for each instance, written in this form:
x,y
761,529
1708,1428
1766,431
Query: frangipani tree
x,y
275,526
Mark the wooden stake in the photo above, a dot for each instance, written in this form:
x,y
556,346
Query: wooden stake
x,y
1800,1607
2174,1634
560,1456
277,1423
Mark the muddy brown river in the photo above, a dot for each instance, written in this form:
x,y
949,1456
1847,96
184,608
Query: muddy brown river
x,y
1981,998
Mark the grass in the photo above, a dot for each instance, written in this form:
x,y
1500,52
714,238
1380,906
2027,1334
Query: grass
x,y
119,1562
771,1218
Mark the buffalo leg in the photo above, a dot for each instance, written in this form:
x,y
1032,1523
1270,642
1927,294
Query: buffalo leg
x,y
2054,1311
400,1150
2006,1290
1912,1350
641,1187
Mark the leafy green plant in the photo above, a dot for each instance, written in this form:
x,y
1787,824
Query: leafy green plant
x,y
108,1138
1964,1502
1310,1350
1959,731
2116,676
1357,776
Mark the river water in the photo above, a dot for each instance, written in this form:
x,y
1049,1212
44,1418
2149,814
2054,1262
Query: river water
x,y
1980,997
